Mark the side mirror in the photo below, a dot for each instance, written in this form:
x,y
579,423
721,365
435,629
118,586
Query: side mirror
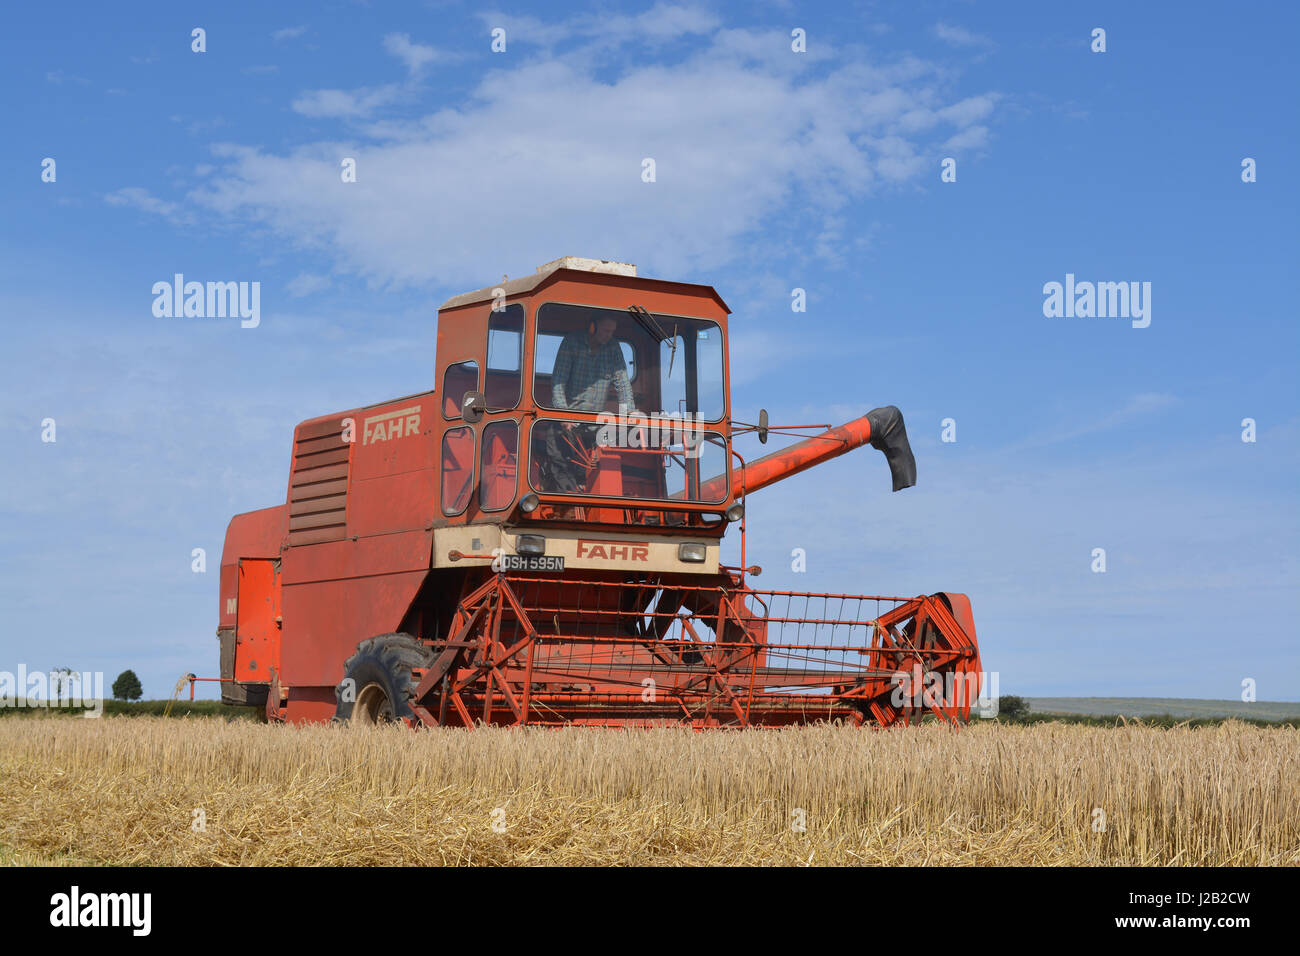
x,y
472,407
762,425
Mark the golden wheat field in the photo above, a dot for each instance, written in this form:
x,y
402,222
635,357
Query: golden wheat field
x,y
126,791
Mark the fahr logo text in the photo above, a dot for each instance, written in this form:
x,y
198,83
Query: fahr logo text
x,y
614,551
390,425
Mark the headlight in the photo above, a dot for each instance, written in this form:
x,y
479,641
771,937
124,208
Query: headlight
x,y
528,503
530,544
736,512
694,553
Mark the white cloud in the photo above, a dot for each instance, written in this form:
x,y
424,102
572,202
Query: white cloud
x,y
758,353
58,78
970,110
662,22
362,104
666,21
305,284
1138,407
547,156
202,125
416,56
973,137
960,36
136,197
288,33
345,104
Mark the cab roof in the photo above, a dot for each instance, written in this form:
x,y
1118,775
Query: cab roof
x,y
569,265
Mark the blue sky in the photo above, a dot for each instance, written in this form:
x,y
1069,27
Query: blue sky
x,y
775,170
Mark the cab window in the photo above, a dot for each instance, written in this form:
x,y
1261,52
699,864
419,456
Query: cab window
x,y
505,348
457,469
456,381
497,481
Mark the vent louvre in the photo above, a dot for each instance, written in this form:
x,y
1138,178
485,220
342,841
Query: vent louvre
x,y
318,485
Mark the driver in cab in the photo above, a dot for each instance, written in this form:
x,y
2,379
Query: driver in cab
x,y
587,363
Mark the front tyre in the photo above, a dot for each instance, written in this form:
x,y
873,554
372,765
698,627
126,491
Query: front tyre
x,y
379,681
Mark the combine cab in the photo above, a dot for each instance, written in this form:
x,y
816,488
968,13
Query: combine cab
x,y
537,540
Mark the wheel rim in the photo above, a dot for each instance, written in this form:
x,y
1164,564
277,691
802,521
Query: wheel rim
x,y
373,706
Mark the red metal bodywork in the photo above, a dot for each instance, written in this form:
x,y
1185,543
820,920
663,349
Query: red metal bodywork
x,y
831,443
354,553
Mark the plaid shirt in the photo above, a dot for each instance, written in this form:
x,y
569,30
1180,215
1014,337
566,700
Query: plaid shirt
x,y
580,380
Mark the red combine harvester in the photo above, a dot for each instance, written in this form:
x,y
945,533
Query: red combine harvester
x,y
538,541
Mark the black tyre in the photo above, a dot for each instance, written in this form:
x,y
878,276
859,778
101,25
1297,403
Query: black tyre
x,y
378,682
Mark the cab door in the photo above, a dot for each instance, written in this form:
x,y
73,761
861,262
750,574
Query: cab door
x,y
257,631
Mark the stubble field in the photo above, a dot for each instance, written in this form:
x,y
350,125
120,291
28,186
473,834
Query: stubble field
x,y
207,791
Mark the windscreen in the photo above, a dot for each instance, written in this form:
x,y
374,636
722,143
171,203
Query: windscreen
x,y
596,360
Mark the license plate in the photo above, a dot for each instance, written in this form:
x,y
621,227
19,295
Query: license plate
x,y
532,562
